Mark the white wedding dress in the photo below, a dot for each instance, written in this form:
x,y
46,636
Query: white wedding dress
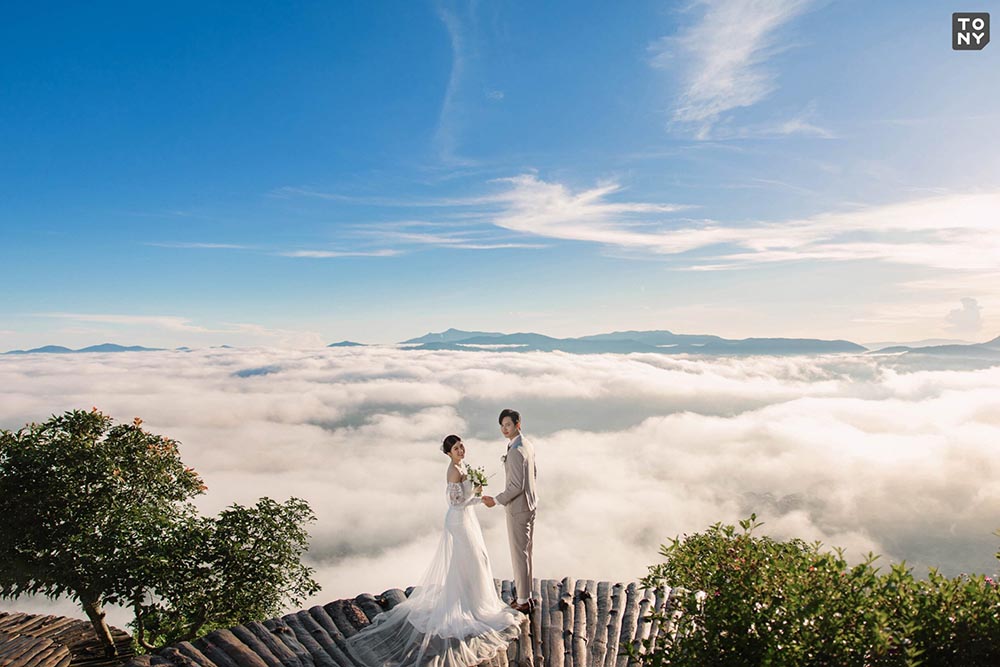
x,y
454,618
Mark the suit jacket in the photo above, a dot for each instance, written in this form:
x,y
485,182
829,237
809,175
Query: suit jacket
x,y
519,471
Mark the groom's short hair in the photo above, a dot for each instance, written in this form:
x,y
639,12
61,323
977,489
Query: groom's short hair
x,y
514,415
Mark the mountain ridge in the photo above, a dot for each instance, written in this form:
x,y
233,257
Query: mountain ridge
x,y
618,342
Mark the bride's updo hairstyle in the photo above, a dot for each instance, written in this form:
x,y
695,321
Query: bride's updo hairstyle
x,y
449,442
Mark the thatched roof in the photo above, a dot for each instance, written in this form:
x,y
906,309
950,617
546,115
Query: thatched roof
x,y
32,640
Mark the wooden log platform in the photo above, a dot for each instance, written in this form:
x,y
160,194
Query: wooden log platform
x,y
37,640
576,624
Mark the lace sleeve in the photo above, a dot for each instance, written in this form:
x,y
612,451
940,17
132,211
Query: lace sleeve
x,y
457,497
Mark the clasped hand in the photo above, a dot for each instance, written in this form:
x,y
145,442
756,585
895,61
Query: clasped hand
x,y
489,501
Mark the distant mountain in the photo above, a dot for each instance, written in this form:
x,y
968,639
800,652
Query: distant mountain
x,y
990,350
927,342
48,349
624,342
106,347
346,343
111,347
654,337
450,336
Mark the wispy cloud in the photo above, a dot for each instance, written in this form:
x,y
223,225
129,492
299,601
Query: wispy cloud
x,y
459,240
334,254
449,119
531,205
206,246
722,59
940,230
396,202
954,231
800,125
169,322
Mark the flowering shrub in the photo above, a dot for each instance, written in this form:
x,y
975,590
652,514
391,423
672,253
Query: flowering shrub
x,y
739,599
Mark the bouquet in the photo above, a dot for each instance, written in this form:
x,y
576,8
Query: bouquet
x,y
478,477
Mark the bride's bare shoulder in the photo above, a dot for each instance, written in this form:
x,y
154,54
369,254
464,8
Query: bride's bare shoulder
x,y
454,474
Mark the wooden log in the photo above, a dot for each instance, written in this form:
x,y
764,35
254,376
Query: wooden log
x,y
254,643
659,607
590,604
555,649
31,624
177,658
391,598
368,605
46,656
10,622
645,620
599,644
615,624
580,637
214,653
537,637
228,643
505,591
56,655
566,590
18,644
348,617
512,651
138,661
58,624
320,657
630,623
675,607
324,639
270,639
191,652
526,646
26,650
321,617
280,629
514,648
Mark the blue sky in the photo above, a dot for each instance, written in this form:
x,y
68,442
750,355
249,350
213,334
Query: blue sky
x,y
301,173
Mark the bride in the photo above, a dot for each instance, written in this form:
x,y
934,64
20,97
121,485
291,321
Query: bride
x,y
454,618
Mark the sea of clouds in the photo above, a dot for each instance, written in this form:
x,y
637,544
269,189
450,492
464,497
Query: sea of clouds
x,y
891,454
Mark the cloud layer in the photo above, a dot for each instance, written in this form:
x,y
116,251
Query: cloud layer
x,y
887,454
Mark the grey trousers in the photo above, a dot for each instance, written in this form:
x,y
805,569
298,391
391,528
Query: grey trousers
x,y
520,533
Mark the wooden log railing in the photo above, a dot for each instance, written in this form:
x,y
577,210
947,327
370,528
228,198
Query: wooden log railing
x,y
581,623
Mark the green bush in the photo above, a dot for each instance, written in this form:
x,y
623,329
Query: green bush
x,y
102,513
740,599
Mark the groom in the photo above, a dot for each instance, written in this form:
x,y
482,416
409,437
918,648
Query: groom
x,y
519,498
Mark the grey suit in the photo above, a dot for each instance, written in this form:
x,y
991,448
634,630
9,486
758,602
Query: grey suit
x,y
520,500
